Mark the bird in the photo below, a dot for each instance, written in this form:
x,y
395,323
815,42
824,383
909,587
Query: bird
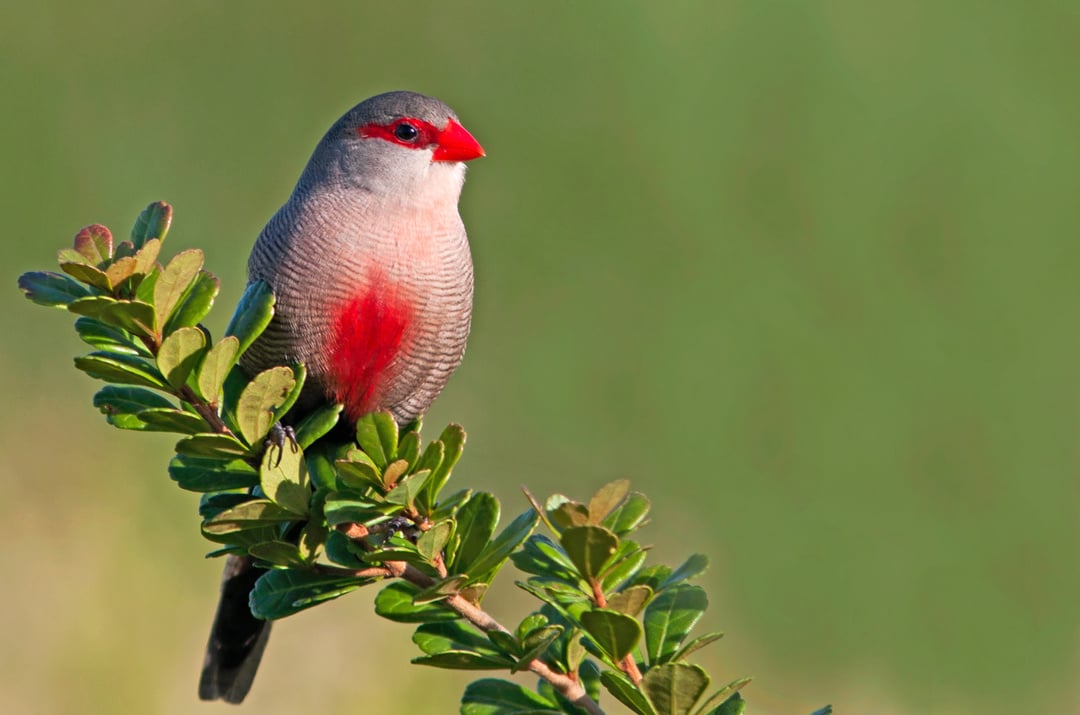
x,y
372,274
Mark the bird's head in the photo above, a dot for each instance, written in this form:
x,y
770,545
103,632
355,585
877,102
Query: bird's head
x,y
397,143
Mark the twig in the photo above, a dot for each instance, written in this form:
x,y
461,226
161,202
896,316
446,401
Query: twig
x,y
567,685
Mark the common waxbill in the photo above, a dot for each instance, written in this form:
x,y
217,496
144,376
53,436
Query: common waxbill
x,y
370,265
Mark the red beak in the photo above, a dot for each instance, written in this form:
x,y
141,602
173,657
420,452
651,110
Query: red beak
x,y
454,143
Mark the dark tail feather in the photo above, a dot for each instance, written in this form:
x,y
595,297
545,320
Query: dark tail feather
x,y
237,639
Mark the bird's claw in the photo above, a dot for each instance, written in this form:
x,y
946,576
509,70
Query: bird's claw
x,y
403,524
277,437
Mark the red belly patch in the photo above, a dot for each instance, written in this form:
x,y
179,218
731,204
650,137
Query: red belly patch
x,y
368,334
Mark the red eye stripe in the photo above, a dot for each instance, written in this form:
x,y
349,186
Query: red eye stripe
x,y
428,133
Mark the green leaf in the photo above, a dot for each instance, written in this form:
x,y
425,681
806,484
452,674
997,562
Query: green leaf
x,y
453,444
133,316
89,275
669,618
459,635
541,592
145,290
341,550
629,515
542,557
250,514
431,542
213,446
108,339
589,547
505,643
735,705
252,315
491,696
395,603
120,271
349,507
211,475
256,408
175,281
359,474
696,644
449,506
628,558
606,499
312,541
476,521
130,315
394,472
284,479
317,424
377,435
94,243
432,456
235,384
196,304
405,492
691,568
210,505
122,369
278,553
724,693
225,550
145,265
624,691
299,373
531,622
674,687
279,593
394,549
320,468
170,419
827,710
630,601
487,563
463,660
50,289
617,634
653,576
92,306
535,644
121,405
409,448
439,590
179,353
215,367
153,222
568,513
575,652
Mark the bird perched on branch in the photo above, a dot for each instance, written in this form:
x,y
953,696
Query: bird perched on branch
x,y
370,266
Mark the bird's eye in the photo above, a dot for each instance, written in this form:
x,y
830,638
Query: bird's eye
x,y
406,132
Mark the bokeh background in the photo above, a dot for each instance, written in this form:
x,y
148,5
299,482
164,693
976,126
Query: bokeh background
x,y
805,272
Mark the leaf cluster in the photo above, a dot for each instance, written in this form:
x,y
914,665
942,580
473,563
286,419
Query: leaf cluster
x,y
327,507
606,618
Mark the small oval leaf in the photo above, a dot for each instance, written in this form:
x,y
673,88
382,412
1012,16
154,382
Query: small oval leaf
x,y
259,400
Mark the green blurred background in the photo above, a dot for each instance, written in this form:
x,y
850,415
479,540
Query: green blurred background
x,y
805,272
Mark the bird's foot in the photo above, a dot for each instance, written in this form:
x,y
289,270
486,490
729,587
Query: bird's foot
x,y
403,524
277,438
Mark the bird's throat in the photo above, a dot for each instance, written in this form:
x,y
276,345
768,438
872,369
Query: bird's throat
x,y
369,332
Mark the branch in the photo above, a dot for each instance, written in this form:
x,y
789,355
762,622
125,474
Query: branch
x,y
567,686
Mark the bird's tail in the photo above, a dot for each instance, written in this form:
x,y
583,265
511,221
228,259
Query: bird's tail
x,y
237,639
